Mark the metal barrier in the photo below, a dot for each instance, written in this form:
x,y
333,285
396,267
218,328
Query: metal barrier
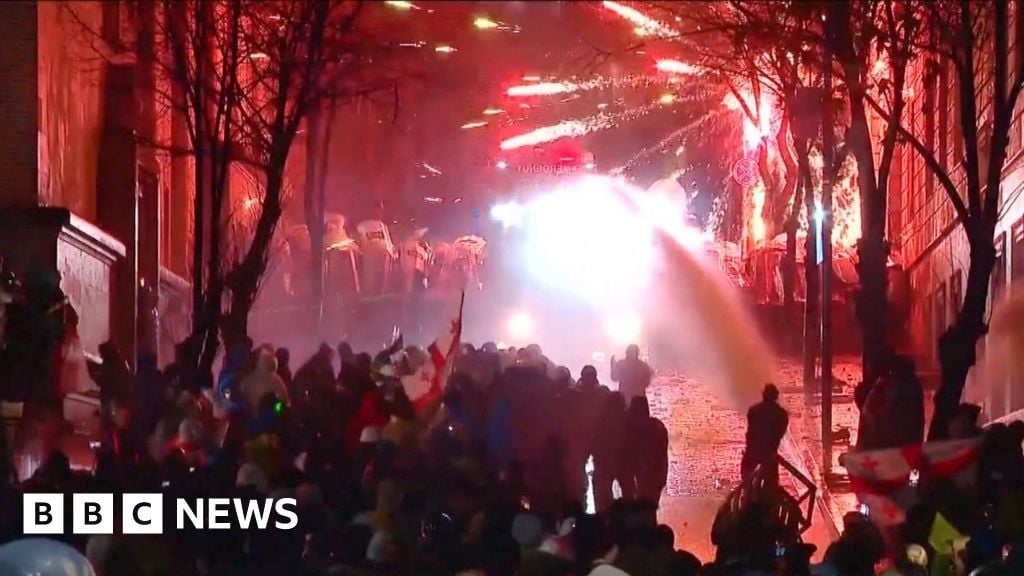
x,y
809,496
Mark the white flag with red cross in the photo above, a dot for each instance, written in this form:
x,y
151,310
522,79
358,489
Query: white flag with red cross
x,y
886,480
425,386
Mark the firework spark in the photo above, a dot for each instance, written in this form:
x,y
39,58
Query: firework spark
x,y
582,127
483,23
471,125
543,89
677,67
758,230
493,111
565,129
645,25
598,83
755,130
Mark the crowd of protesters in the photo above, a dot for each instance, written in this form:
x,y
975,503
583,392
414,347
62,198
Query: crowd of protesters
x,y
490,479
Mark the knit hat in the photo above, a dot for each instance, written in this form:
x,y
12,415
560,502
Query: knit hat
x,y
251,475
527,530
370,435
607,570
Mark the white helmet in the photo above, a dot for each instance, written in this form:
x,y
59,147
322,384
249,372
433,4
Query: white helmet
x,y
42,557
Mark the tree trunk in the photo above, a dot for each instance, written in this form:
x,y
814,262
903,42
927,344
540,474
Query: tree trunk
x,y
958,345
244,279
872,299
314,215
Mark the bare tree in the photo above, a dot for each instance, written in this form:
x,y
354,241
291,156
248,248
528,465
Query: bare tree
x,y
863,35
971,40
244,77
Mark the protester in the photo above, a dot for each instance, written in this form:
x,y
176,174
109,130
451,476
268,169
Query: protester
x,y
488,479
767,422
632,374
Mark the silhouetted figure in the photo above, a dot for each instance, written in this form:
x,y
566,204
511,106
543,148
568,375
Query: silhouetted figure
x,y
632,374
609,441
964,423
893,411
112,375
767,422
646,453
588,378
284,369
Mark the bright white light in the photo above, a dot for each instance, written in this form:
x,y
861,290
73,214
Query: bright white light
x,y
623,328
819,212
574,235
589,165
445,49
401,5
520,327
510,214
501,164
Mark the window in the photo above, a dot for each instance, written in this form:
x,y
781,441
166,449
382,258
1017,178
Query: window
x,y
1017,250
943,105
111,23
998,284
928,119
940,311
165,227
956,292
957,132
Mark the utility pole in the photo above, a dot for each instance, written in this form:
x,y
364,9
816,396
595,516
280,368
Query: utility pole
x,y
827,155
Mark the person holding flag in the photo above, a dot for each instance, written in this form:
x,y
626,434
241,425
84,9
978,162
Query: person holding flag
x,y
425,385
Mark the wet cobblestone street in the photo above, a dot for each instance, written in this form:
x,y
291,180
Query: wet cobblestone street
x,y
706,445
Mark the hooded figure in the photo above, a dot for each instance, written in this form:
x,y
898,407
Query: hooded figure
x,y
261,381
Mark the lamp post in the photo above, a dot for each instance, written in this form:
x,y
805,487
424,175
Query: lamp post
x,y
827,154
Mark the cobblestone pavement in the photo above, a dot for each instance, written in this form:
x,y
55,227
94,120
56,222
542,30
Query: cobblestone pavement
x,y
706,445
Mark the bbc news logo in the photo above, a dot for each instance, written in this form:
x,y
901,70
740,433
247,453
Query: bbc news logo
x,y
144,514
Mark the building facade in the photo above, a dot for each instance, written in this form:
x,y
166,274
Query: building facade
x,y
923,226
83,196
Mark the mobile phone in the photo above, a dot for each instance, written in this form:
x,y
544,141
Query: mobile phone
x,y
525,503
94,445
865,510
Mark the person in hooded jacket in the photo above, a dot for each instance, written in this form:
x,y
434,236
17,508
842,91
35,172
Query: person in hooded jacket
x,y
262,381
645,452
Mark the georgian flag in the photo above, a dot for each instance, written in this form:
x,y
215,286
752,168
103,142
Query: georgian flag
x,y
424,387
884,480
